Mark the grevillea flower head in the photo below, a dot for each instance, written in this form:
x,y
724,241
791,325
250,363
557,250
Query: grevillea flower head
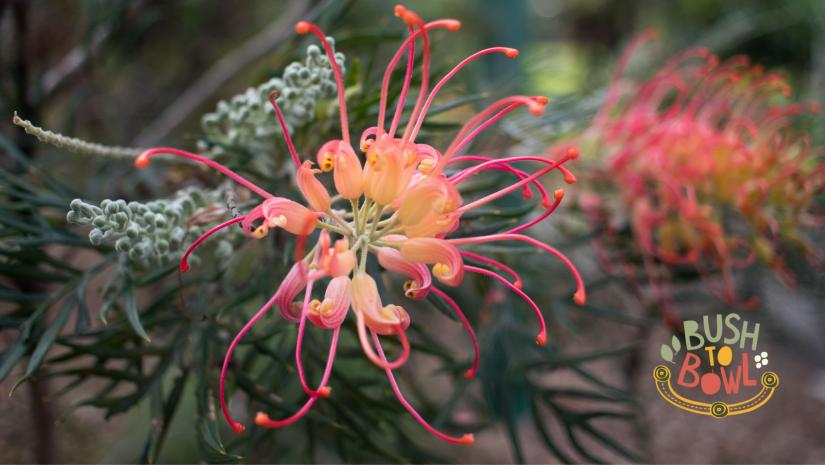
x,y
401,202
701,139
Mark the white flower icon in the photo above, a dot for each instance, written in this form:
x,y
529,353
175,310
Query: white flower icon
x,y
761,359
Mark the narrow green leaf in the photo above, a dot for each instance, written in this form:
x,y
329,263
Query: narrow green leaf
x,y
163,411
49,336
610,442
12,355
9,295
104,310
20,345
512,431
84,319
132,314
538,423
21,271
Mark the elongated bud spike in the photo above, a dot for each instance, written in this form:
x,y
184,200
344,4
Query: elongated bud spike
x,y
142,161
541,339
301,27
580,298
511,53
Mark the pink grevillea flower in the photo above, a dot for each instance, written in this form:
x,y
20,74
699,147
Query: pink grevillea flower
x,y
397,202
701,147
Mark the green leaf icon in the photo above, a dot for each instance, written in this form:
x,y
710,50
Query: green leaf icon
x,y
677,345
667,353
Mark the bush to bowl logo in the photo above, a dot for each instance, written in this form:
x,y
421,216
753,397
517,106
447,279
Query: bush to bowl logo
x,y
721,360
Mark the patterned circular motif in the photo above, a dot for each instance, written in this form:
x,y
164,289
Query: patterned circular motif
x,y
719,409
661,373
770,379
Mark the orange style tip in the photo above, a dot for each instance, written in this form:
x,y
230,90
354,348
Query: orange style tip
x,y
541,339
580,298
517,284
470,374
573,153
302,27
399,10
325,391
541,99
558,194
452,24
468,439
569,178
184,267
261,419
409,17
511,53
239,428
537,110
142,161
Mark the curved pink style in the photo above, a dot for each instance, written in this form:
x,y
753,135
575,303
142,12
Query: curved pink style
x,y
579,296
142,161
284,129
262,419
304,27
507,51
465,439
494,263
238,427
449,24
471,372
541,338
184,261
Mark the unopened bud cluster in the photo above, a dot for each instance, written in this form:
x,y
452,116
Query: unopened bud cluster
x,y
247,121
151,234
